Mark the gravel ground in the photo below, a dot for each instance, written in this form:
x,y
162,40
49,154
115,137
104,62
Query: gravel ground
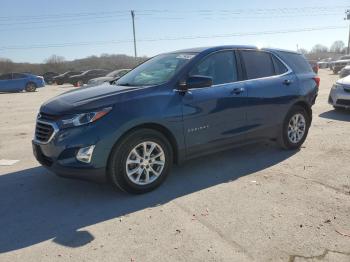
x,y
256,203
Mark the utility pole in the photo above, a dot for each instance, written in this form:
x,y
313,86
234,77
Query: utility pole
x,y
347,17
133,29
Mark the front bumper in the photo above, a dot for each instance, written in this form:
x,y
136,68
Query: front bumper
x,y
59,154
82,172
339,97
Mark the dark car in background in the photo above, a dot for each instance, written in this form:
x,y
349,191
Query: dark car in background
x,y
48,77
340,64
314,65
16,82
109,77
64,78
174,107
83,78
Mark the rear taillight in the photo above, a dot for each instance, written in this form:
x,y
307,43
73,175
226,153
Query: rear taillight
x,y
317,81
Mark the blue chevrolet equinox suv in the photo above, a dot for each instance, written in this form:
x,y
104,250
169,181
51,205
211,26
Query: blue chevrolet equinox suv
x,y
174,107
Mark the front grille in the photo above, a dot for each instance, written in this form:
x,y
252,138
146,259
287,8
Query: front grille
x,y
43,131
343,102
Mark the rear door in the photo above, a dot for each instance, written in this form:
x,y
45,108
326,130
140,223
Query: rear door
x,y
215,117
6,84
19,81
270,89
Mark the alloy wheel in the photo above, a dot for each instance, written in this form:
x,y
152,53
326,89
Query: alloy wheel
x,y
296,128
145,163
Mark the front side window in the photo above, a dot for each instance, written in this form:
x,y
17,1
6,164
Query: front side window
x,y
258,64
221,67
158,70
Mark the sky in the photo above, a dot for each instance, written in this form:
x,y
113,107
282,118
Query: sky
x,y
33,30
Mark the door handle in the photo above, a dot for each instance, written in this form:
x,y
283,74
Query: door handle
x,y
287,82
237,90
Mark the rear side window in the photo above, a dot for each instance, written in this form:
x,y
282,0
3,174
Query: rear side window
x,y
297,62
6,77
258,64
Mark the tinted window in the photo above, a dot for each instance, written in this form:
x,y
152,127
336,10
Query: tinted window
x,y
280,68
6,77
258,64
221,67
296,61
18,76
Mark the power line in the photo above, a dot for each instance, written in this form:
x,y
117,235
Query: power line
x,y
256,11
111,18
71,44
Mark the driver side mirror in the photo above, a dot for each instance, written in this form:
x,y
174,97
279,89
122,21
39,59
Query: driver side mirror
x,y
196,82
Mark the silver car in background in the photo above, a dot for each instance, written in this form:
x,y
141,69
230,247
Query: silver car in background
x,y
339,96
344,72
109,77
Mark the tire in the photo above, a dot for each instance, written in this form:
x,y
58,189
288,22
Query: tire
x,y
285,139
30,87
136,182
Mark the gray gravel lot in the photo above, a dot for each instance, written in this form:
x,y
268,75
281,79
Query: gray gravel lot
x,y
256,203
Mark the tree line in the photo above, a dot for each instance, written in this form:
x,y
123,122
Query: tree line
x,y
58,64
320,51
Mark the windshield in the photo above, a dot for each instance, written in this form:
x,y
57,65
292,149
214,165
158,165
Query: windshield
x,y
157,70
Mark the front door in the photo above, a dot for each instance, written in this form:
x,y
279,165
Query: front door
x,y
215,117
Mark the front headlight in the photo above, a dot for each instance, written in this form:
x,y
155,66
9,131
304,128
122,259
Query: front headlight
x,y
85,118
336,86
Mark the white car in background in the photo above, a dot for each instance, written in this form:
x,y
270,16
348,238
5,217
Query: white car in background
x,y
339,96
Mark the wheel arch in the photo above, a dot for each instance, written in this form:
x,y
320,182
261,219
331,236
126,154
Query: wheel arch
x,y
157,127
306,106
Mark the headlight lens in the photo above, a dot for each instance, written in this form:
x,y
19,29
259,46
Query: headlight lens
x,y
336,86
85,118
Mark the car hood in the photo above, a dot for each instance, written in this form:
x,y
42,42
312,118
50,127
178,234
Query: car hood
x,y
344,81
86,98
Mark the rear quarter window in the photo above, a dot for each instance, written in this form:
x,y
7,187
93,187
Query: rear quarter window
x,y
297,62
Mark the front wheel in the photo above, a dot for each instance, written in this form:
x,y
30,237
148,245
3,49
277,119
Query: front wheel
x,y
30,87
140,162
295,128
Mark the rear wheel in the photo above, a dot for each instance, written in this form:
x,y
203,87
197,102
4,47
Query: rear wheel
x,y
141,162
295,128
30,87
